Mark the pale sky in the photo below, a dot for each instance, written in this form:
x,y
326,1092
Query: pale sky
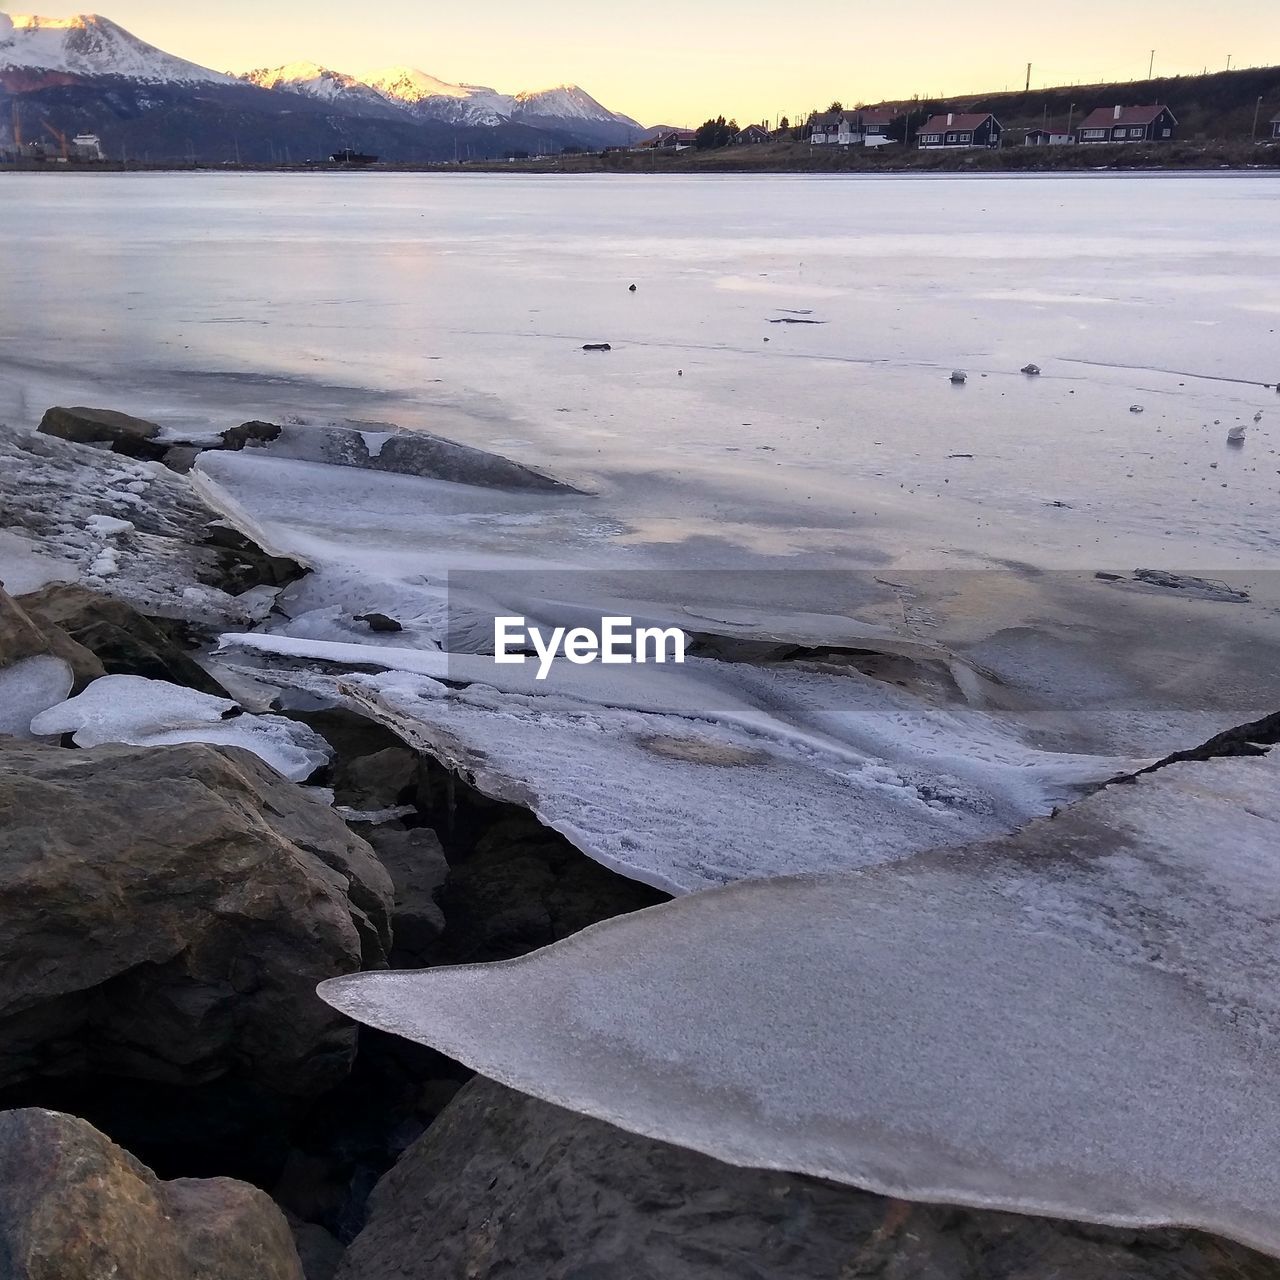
x,y
678,63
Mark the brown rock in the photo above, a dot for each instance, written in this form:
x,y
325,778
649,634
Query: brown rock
x,y
22,636
166,914
74,1206
125,433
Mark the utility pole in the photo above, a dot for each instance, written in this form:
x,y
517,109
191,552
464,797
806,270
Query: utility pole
x,y
1151,64
1071,115
1228,62
1257,107
1028,88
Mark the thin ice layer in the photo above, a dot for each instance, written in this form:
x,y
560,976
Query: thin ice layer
x,y
1080,1020
711,772
141,713
29,687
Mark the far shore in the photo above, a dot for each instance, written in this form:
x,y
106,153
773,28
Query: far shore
x,y
791,157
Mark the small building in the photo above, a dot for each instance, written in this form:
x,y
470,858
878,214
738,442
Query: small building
x,y
960,129
670,140
1052,136
1275,128
752,135
87,146
1128,124
835,129
875,123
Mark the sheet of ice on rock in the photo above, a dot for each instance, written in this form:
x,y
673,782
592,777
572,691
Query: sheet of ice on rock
x,y
153,713
1079,1020
711,772
29,687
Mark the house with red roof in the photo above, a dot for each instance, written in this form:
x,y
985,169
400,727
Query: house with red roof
x,y
960,129
751,135
1128,124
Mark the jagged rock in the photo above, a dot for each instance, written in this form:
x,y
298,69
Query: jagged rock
x,y
74,1206
121,640
24,636
416,863
525,887
134,437
166,913
318,1250
504,1185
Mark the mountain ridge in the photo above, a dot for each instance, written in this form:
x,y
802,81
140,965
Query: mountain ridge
x,y
88,73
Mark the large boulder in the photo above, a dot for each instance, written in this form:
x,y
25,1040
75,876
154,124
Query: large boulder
x,y
505,1185
166,913
135,437
74,1206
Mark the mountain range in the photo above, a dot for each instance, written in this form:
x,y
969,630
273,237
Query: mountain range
x,y
88,74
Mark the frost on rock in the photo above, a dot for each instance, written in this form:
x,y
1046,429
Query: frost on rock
x,y
711,772
1079,1020
29,687
142,713
69,512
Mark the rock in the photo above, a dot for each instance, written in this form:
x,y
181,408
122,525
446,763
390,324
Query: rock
x,y
959,376
74,1206
24,636
1031,370
1135,408
380,780
51,492
134,437
379,622
166,913
319,1252
596,346
118,636
526,887
504,1185
632,289
1236,435
416,863
235,438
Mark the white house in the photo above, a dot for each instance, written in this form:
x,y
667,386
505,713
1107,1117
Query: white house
x,y
1053,136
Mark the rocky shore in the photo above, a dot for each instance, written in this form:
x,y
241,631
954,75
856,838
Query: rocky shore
x,y
176,1101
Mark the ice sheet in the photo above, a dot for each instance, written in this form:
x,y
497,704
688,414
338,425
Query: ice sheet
x,y
141,712
29,687
1080,1020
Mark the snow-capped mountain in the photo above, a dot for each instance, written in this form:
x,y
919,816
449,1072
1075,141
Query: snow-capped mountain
x,y
315,81
89,45
88,74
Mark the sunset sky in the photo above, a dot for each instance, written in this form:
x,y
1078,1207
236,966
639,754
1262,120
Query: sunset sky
x,y
677,63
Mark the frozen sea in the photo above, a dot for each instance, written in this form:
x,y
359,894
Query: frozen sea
x,y
719,430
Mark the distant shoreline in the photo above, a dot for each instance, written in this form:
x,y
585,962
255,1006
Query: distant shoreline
x,y
797,158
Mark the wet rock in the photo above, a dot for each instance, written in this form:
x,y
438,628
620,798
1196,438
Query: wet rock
x,y
165,915
134,437
959,376
74,1206
118,636
524,887
504,1185
1031,370
597,346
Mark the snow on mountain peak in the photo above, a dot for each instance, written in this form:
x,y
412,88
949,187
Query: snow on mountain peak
x,y
87,44
408,84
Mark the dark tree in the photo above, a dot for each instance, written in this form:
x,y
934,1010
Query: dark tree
x,y
715,133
